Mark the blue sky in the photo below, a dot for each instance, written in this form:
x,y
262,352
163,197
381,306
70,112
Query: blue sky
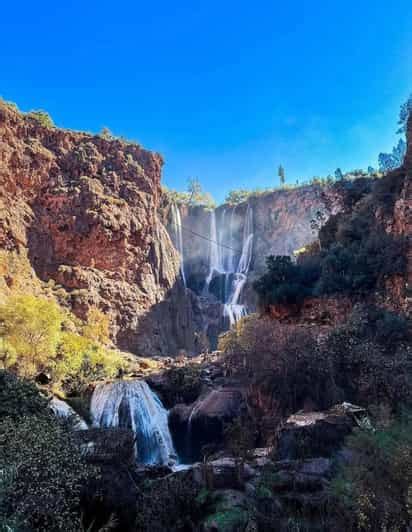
x,y
225,90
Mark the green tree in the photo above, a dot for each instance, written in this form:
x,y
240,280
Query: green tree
x,y
31,330
194,189
281,174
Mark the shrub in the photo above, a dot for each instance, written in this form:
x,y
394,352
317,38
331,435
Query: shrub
x,y
47,473
283,361
286,282
372,358
42,471
171,503
30,329
37,335
41,117
19,398
373,491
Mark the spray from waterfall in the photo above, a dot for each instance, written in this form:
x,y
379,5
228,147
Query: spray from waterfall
x,y
223,260
178,238
133,405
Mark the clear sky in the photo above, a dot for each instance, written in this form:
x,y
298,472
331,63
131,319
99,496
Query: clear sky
x,y
225,90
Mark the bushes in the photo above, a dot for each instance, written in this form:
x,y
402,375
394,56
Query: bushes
x,y
42,471
372,358
37,335
373,491
173,503
19,398
284,362
47,473
286,282
41,117
358,255
367,361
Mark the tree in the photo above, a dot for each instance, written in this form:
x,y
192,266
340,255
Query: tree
x,y
338,174
106,134
194,188
31,330
390,161
42,468
97,326
405,111
281,174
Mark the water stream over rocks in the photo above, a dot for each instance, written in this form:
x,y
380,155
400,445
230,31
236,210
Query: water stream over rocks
x,y
133,405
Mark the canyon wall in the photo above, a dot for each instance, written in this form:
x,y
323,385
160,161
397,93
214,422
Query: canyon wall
x,y
79,222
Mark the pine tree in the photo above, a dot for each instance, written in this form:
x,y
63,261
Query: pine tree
x,y
281,174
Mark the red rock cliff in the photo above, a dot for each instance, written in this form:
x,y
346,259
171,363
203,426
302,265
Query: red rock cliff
x,y
78,217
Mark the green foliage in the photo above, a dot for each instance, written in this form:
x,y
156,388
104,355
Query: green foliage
x,y
194,196
372,358
106,134
283,362
184,384
42,471
356,253
228,519
286,282
37,335
367,361
41,117
235,197
30,328
173,503
281,174
373,490
48,473
239,437
10,105
19,398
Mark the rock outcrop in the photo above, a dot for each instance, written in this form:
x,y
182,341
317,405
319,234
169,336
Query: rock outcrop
x,y
78,220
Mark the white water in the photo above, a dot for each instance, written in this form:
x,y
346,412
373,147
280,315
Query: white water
x,y
215,262
177,230
133,405
63,410
223,259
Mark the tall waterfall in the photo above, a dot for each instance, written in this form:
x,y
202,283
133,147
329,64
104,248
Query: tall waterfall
x,y
178,238
224,259
133,405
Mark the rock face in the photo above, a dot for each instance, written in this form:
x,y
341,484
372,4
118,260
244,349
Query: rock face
x,y
78,219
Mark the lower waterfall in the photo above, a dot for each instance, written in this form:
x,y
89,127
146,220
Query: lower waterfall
x,y
133,405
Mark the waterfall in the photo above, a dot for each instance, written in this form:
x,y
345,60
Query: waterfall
x,y
223,259
63,410
133,405
178,238
214,250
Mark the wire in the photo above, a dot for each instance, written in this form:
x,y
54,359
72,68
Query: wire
x,y
208,239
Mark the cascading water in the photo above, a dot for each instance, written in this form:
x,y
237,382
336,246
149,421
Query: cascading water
x,y
63,410
223,259
133,405
215,263
178,238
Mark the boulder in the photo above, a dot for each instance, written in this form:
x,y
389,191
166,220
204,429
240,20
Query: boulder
x,y
316,434
209,414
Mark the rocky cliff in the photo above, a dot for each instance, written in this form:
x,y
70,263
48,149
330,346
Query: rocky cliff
x,y
78,220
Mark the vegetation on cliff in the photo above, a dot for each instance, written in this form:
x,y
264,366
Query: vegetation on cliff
x,y
355,254
38,336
